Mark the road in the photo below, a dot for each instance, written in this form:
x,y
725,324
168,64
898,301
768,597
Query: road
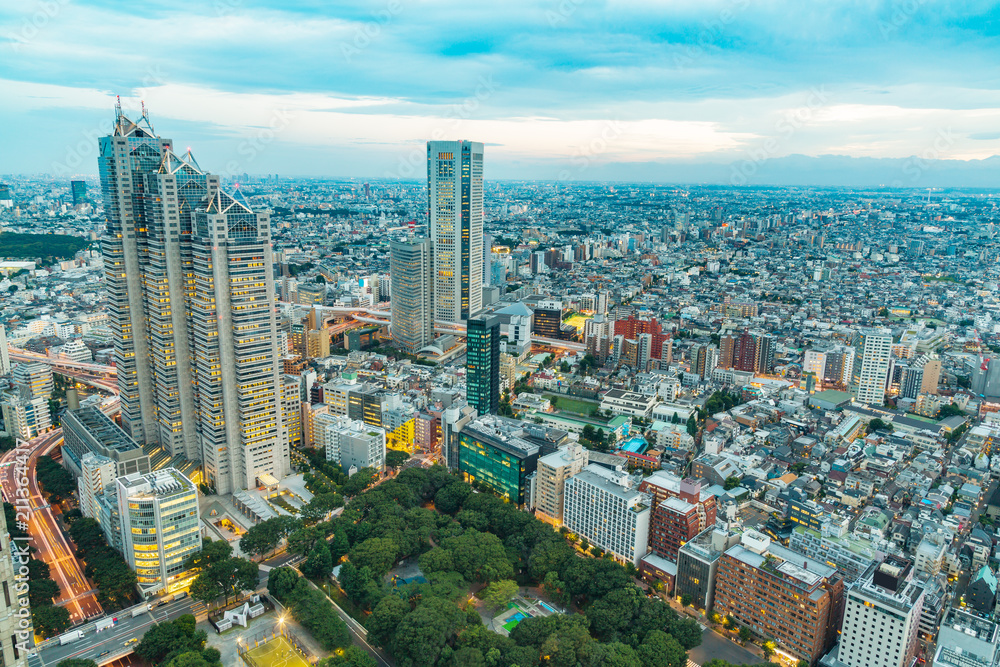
x,y
357,630
113,639
47,537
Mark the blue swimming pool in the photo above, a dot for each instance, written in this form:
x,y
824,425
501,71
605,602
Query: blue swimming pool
x,y
548,607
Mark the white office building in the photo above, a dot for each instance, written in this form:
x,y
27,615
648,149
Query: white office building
x,y
160,526
351,443
607,508
882,616
967,640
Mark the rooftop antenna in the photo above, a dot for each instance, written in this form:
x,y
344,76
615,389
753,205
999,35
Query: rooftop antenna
x,y
145,114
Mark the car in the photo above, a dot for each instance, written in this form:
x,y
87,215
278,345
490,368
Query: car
x,y
104,654
134,640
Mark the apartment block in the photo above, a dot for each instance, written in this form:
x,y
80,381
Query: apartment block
x,y
607,508
550,482
781,594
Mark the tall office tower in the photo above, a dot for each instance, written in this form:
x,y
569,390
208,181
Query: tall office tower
x,y
15,640
548,319
455,191
483,364
602,303
873,367
727,351
410,265
192,311
79,190
160,525
4,354
882,616
487,254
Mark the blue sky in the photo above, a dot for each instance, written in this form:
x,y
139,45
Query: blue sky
x,y
571,89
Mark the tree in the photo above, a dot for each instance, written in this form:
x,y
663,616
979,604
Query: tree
x,y
376,553
281,581
352,657
360,481
564,367
879,425
767,647
302,540
50,620
425,631
319,562
212,551
385,618
692,426
395,458
56,481
227,577
731,483
745,635
950,410
166,640
659,648
265,536
499,593
687,600
339,546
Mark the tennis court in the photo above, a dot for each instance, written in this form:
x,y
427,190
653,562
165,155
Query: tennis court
x,y
276,653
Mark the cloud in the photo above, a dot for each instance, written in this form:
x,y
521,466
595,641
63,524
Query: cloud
x,y
711,80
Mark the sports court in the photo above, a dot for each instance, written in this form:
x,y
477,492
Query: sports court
x,y
277,652
520,608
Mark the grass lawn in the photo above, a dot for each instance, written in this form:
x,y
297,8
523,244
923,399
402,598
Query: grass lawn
x,y
276,653
572,404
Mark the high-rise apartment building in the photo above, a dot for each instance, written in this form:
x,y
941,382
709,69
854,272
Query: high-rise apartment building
x,y
455,202
24,416
192,311
872,367
607,508
550,480
780,594
882,616
483,364
411,265
160,524
727,351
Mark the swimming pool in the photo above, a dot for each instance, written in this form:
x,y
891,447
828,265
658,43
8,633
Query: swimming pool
x,y
548,607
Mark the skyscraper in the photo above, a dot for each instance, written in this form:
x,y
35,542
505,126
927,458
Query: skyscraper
x,y
455,201
483,364
872,367
410,266
192,310
79,190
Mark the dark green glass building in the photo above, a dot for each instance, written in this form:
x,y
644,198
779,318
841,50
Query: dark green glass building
x,y
494,452
483,364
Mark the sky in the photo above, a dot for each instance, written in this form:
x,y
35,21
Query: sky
x,y
729,91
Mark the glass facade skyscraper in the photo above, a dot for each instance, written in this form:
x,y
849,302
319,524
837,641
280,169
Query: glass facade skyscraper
x,y
483,364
